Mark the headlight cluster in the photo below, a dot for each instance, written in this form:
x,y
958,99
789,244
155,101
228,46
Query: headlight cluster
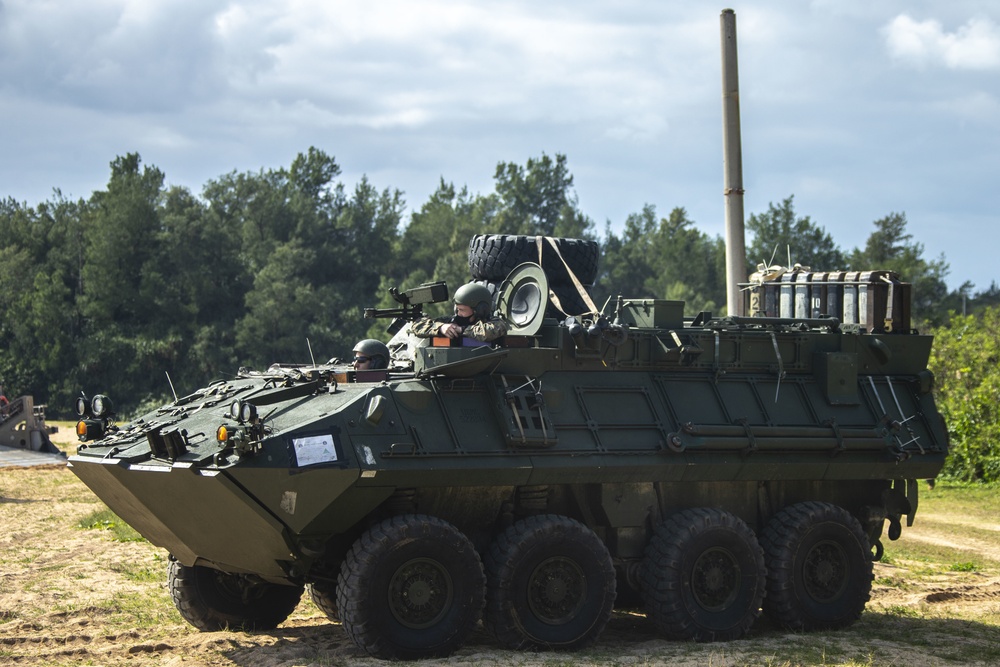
x,y
99,407
243,412
246,434
96,415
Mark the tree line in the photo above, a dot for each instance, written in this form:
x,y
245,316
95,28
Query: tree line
x,y
141,279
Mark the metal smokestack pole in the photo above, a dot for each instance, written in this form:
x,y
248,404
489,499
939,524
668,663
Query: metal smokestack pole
x,y
732,164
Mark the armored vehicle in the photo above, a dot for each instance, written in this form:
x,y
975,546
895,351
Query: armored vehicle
x,y
703,469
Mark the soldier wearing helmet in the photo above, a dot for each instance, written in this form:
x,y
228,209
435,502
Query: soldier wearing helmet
x,y
371,354
473,317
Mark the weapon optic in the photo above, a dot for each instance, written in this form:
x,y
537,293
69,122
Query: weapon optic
x,y
412,301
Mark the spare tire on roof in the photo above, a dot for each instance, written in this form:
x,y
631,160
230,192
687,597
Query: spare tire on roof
x,y
493,256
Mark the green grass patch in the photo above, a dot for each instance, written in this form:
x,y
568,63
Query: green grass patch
x,y
105,519
143,572
979,501
964,567
902,611
895,581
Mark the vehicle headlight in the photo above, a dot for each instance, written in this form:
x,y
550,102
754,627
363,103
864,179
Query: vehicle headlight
x,y
248,413
101,406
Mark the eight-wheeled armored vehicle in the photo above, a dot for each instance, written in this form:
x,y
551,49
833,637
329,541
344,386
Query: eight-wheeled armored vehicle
x,y
703,469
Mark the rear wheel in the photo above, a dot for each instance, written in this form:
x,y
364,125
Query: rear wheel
x,y
819,567
411,587
551,585
211,600
703,576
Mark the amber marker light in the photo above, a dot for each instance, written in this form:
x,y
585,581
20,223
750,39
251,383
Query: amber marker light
x,y
81,429
222,433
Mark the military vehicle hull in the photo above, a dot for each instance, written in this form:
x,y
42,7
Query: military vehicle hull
x,y
684,466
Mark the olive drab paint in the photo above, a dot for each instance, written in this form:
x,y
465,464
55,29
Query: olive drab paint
x,y
572,469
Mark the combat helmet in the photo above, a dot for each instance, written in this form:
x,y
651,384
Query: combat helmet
x,y
375,350
477,297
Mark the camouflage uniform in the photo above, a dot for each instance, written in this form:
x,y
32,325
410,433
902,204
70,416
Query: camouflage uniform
x,y
481,331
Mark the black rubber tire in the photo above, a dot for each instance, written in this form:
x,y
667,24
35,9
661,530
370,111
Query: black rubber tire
x,y
324,596
819,566
551,585
323,587
211,600
411,587
703,576
493,256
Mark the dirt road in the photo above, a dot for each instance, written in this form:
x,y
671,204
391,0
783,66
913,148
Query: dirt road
x,y
75,596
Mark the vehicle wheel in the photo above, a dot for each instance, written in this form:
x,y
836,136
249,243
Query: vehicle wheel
x,y
323,587
324,596
211,600
703,576
551,584
411,587
819,567
493,256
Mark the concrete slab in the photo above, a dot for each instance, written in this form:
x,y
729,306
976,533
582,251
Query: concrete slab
x,y
15,456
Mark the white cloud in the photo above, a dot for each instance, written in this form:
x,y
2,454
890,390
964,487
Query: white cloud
x,y
975,45
410,92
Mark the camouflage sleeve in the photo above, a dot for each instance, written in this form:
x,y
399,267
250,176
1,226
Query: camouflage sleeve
x,y
486,331
425,328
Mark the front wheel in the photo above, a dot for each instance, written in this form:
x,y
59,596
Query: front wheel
x,y
703,576
411,587
211,600
819,567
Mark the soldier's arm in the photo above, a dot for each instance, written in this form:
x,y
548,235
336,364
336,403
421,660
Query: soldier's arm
x,y
425,328
487,331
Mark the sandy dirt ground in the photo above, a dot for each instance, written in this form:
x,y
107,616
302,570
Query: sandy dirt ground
x,y
73,596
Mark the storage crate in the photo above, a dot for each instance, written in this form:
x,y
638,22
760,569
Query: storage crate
x,y
876,301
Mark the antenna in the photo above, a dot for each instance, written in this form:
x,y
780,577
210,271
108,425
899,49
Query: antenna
x,y
171,383
309,345
773,253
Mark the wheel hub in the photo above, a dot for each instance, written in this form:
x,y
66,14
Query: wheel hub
x,y
557,590
825,571
420,593
715,579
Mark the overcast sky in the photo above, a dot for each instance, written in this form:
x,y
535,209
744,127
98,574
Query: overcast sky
x,y
857,108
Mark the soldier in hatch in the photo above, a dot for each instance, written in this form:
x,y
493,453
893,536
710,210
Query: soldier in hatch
x,y
473,317
370,355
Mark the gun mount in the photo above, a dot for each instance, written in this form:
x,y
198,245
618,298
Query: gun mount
x,y
412,301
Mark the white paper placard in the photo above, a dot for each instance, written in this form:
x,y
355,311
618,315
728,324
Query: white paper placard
x,y
314,449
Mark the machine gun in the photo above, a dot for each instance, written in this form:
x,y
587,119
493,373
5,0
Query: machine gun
x,y
413,301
